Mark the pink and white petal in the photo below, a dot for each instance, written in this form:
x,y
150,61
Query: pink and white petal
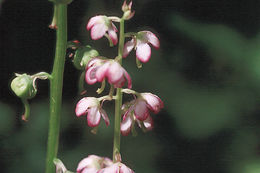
x,y
125,169
143,52
128,47
114,27
113,36
93,21
129,80
107,162
120,83
83,105
104,116
151,37
140,110
111,169
154,103
93,117
102,71
148,123
115,72
126,125
91,75
94,62
87,162
98,31
89,170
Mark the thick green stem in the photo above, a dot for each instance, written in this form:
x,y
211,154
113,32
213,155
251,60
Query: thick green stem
x,y
118,100
56,87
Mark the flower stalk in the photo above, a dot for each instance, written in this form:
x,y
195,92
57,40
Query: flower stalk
x,y
56,84
118,100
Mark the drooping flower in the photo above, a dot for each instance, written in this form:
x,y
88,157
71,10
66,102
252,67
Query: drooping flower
x,y
141,42
93,163
116,168
99,69
138,111
91,107
101,25
97,164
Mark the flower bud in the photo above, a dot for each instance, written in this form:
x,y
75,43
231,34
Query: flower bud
x,y
83,55
23,86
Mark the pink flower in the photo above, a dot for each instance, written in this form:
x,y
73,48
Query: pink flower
x,y
96,164
116,168
91,106
141,43
93,163
138,111
99,69
100,26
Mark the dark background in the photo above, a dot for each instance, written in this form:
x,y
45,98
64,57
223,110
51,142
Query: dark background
x,y
207,72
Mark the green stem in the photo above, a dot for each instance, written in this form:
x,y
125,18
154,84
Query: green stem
x,y
56,87
118,100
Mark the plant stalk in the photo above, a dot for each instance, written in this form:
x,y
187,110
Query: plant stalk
x,y
56,84
118,100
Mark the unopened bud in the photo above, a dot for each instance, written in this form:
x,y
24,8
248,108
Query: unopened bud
x,y
23,86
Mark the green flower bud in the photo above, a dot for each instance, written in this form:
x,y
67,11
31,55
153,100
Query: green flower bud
x,y
23,86
82,57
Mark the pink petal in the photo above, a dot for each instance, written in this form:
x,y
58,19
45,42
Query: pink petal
x,y
104,116
129,80
91,75
128,47
114,27
126,125
115,72
148,123
120,83
87,162
155,104
94,62
93,117
84,104
89,170
111,169
140,110
98,31
125,169
93,21
113,36
152,39
143,52
101,72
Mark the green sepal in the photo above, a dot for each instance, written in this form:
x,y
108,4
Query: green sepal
x,y
82,56
23,86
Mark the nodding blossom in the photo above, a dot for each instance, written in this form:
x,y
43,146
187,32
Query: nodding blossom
x,y
138,111
93,163
97,164
141,42
101,25
98,69
91,107
116,168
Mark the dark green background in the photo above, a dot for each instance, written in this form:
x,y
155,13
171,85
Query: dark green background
x,y
207,72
